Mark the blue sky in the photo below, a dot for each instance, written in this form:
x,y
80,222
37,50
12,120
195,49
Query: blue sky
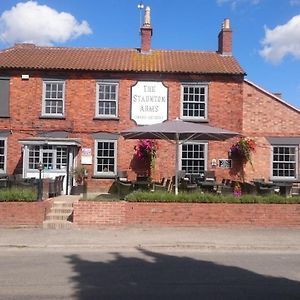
x,y
266,33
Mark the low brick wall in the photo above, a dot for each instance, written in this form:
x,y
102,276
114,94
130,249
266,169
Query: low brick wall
x,y
24,213
97,214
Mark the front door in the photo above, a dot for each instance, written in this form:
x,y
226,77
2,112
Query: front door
x,y
56,159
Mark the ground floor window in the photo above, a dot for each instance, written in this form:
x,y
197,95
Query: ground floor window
x,y
105,157
193,157
52,157
2,155
284,162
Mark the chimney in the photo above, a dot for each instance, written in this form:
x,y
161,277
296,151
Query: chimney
x,y
278,95
225,39
146,32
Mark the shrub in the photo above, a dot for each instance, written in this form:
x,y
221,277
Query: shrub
x,y
18,194
139,196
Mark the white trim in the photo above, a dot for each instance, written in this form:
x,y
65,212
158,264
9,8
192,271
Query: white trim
x,y
105,174
44,113
200,85
272,95
51,141
296,162
205,143
5,155
107,82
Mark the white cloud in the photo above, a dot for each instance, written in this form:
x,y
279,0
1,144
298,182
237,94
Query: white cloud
x,y
235,3
294,2
39,24
281,41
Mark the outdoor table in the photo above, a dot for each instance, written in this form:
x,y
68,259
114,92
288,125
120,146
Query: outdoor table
x,y
285,187
263,187
141,184
3,182
208,185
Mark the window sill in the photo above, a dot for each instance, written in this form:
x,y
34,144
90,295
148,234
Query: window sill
x,y
104,176
195,120
106,118
53,117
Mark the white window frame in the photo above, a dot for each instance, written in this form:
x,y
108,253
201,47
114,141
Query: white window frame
x,y
194,85
285,178
3,171
204,143
116,100
41,153
47,114
109,173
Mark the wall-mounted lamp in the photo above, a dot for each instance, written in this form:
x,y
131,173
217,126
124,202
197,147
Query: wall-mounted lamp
x,y
213,162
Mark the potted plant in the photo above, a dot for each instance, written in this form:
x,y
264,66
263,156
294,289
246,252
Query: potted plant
x,y
145,151
243,150
80,174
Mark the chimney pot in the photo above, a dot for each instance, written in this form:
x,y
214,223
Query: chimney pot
x,y
225,39
146,32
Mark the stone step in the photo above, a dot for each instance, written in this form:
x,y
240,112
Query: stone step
x,y
57,224
55,216
62,205
61,210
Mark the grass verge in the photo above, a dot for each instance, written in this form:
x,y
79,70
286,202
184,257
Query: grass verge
x,y
139,196
18,194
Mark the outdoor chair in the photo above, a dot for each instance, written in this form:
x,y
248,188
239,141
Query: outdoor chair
x,y
123,188
209,176
295,190
122,176
162,185
225,188
187,183
3,181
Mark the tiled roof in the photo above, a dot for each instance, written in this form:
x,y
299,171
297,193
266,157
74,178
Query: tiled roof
x,y
28,56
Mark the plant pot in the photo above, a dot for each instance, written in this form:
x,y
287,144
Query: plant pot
x,y
77,190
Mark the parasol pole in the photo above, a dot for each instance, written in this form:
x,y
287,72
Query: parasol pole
x,y
176,164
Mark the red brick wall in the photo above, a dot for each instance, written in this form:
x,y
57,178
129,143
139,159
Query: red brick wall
x,y
91,214
97,214
225,101
24,213
263,116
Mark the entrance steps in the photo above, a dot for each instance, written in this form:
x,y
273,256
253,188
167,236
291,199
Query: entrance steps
x,y
61,213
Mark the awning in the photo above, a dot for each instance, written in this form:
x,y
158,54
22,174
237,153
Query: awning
x,y
51,141
284,140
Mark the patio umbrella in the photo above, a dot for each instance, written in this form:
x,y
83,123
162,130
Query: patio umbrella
x,y
178,132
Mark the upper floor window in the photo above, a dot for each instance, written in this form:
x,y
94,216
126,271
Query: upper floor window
x,y
4,97
2,155
107,99
284,162
194,101
53,98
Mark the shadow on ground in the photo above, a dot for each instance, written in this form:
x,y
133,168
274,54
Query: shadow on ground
x,y
161,276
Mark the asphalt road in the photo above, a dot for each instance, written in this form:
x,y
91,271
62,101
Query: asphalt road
x,y
140,273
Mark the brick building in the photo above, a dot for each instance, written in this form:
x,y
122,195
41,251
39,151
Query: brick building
x,y
66,106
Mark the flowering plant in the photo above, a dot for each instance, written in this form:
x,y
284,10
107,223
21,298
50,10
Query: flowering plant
x,y
146,150
237,190
243,149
